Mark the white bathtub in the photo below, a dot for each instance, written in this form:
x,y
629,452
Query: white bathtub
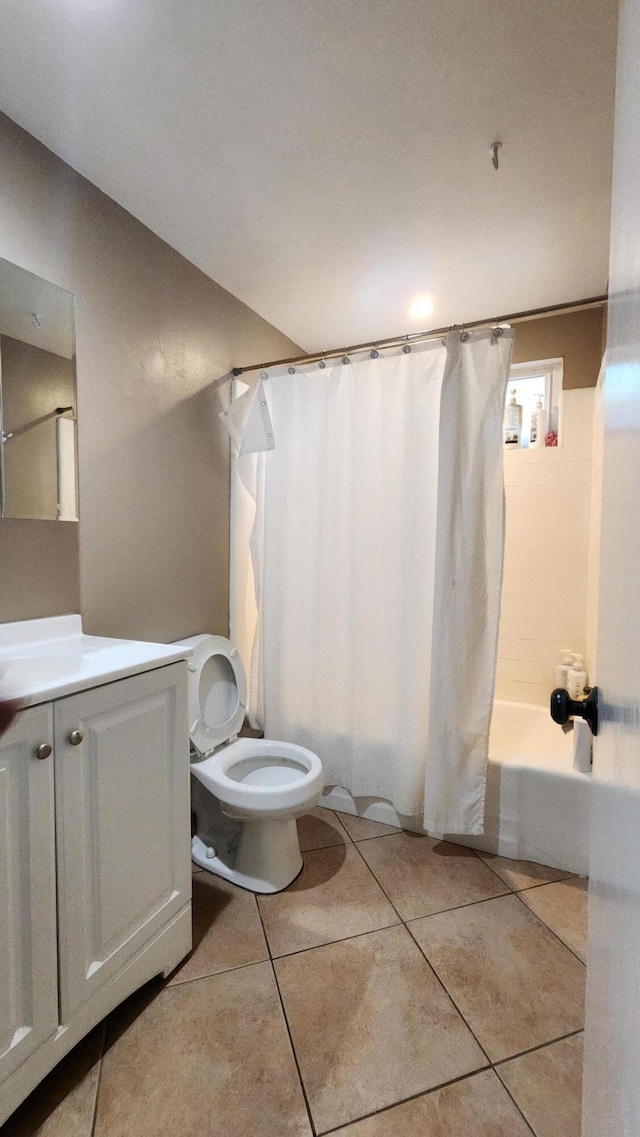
x,y
537,805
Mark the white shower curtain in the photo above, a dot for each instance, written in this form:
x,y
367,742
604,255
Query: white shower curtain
x,y
377,490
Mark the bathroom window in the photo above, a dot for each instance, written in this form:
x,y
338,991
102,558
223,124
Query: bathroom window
x,y
530,380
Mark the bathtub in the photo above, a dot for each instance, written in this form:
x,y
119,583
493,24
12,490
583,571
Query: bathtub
x,y
537,805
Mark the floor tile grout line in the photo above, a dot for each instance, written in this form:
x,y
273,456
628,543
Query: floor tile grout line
x,y
381,836
378,836
548,883
518,1107
264,930
320,848
343,939
527,887
533,1049
349,838
293,1051
342,826
380,886
103,1041
405,1101
212,974
449,995
496,874
458,907
550,929
374,836
487,900
477,853
287,1026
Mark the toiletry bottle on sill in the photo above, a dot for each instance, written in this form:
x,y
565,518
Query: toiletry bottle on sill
x,y
512,422
538,425
576,679
562,670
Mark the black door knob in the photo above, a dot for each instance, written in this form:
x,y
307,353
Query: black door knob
x,y
563,707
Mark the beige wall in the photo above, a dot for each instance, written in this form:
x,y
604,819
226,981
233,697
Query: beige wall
x,y
577,337
153,334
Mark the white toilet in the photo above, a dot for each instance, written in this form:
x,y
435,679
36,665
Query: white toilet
x,y
246,792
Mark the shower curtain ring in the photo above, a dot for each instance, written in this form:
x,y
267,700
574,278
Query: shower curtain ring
x,y
291,369
406,347
345,357
464,336
322,362
374,353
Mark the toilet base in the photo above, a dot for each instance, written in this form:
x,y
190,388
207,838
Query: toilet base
x,y
267,860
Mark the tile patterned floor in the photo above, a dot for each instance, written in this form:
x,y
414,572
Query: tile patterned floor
x,y
563,908
400,986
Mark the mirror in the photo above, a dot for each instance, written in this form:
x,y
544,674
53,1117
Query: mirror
x,y
38,464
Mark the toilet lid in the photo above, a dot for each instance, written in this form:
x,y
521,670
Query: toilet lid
x,y
217,692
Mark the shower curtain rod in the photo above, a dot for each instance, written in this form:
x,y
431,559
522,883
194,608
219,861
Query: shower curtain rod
x,y
433,333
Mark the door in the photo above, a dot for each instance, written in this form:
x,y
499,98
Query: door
x,y
122,793
612,1037
28,952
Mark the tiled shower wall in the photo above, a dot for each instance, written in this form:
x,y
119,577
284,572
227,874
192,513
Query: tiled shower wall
x,y
546,570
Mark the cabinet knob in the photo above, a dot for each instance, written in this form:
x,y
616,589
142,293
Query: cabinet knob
x,y
43,750
75,738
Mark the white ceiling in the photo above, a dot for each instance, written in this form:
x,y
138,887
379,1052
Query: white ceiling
x,y
328,160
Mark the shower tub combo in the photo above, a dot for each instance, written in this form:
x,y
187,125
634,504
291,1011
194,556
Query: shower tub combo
x,y
537,805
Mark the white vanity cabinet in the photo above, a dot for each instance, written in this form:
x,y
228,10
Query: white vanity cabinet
x,y
95,870
28,952
121,797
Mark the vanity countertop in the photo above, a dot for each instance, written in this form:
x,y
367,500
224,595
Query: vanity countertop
x,y
50,658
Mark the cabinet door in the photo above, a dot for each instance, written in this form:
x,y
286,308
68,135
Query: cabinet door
x,y
28,952
123,823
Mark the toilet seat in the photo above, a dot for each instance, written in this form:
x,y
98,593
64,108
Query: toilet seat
x,y
258,775
218,699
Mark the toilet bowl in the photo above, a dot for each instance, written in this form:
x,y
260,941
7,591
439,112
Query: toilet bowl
x,y
246,792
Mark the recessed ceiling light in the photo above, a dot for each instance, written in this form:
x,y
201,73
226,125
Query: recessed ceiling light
x,y
421,308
